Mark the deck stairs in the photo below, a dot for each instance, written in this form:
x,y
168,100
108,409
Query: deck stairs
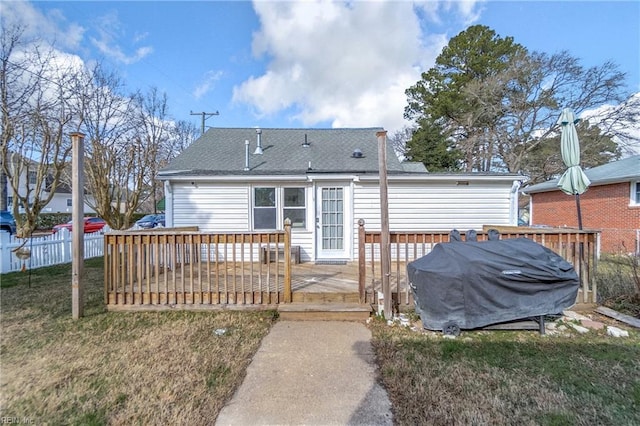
x,y
324,307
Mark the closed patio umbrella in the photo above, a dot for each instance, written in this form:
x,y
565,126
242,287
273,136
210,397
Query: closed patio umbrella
x,y
573,181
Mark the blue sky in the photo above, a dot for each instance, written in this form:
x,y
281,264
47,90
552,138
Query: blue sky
x,y
310,64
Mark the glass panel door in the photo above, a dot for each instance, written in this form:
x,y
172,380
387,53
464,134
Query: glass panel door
x,y
331,222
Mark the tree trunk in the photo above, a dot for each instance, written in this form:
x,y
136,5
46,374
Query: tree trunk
x,y
4,196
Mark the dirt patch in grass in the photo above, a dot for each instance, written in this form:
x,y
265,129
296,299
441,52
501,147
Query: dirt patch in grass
x,y
509,377
116,368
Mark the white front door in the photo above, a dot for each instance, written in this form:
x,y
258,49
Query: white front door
x,y
332,231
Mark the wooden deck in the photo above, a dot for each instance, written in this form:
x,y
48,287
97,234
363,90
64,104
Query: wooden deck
x,y
193,270
250,283
310,277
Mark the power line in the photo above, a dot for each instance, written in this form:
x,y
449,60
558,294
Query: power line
x,y
204,115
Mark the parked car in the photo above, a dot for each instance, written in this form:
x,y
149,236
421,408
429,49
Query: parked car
x,y
7,222
91,224
151,221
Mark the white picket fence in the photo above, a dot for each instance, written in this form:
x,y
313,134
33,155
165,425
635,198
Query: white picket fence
x,y
45,250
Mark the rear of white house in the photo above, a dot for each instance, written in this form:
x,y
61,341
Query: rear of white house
x,y
325,181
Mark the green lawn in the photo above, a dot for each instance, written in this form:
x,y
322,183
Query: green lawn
x,y
509,377
115,368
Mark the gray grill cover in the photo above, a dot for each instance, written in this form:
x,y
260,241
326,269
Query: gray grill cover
x,y
475,284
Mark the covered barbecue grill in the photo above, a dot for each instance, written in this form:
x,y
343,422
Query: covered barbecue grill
x,y
472,284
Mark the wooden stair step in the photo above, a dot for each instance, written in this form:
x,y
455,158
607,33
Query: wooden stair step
x,y
324,311
325,297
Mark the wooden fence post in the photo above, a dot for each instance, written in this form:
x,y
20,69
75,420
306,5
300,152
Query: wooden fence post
x,y
5,252
107,259
77,203
287,261
362,262
385,249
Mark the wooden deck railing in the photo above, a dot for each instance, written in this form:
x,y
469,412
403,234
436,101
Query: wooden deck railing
x,y
182,266
408,246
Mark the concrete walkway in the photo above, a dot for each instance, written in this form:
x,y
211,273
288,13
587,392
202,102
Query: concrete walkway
x,y
311,373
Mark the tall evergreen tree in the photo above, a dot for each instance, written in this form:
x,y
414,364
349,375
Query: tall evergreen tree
x,y
440,96
496,102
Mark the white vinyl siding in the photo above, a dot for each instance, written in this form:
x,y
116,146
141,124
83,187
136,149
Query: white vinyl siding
x,y
225,208
306,243
413,206
211,207
61,203
433,206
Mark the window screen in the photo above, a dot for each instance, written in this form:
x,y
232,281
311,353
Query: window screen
x,y
264,210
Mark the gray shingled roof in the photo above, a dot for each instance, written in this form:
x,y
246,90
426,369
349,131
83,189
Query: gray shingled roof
x,y
221,151
625,170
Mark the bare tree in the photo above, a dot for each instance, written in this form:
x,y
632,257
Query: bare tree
x,y
176,136
35,114
154,131
182,134
554,82
620,122
398,140
115,157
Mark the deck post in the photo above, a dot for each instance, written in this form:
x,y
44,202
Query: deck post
x,y
385,249
77,203
287,261
107,269
362,260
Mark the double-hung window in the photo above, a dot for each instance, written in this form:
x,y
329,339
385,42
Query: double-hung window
x,y
264,208
294,207
635,193
272,205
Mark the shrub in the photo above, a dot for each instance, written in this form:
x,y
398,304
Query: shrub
x,y
618,282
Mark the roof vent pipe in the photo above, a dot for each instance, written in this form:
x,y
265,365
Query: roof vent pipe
x,y
246,155
306,143
259,137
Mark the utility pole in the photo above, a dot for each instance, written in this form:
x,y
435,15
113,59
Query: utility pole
x,y
204,115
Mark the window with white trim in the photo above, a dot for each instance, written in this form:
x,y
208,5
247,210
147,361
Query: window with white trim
x,y
635,193
264,208
272,205
295,207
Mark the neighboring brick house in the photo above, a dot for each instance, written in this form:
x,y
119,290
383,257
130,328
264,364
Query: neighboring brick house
x,y
611,204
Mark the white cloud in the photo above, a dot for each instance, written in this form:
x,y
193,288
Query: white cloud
x,y
54,29
51,28
210,78
110,32
469,11
466,11
346,63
